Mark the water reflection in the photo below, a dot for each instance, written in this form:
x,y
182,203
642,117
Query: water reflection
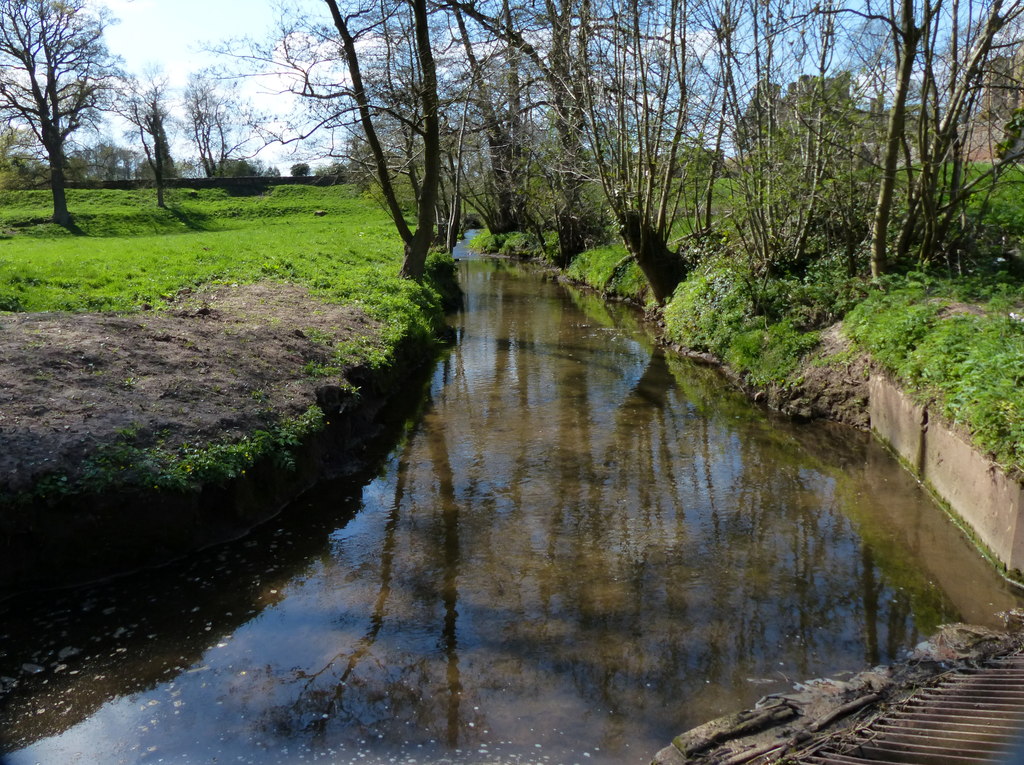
x,y
580,548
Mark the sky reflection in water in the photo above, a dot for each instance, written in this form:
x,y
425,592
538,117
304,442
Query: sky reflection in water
x,y
579,549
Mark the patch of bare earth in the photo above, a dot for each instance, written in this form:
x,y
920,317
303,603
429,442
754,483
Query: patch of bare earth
x,y
833,384
215,364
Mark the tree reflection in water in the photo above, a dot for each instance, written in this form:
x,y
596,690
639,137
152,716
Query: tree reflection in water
x,y
581,545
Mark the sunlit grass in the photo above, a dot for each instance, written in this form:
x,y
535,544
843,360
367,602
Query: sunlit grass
x,y
338,244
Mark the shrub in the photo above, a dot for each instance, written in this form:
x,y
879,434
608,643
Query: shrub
x,y
714,311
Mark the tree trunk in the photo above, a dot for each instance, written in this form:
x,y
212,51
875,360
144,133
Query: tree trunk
x,y
508,214
894,139
416,251
662,267
418,246
61,216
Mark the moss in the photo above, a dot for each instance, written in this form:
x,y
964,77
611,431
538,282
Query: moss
x,y
611,271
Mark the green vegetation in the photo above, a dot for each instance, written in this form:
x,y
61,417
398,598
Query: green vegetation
x,y
515,244
958,345
129,255
334,242
610,271
761,328
167,468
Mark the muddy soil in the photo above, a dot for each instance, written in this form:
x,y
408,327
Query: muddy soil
x,y
212,364
833,384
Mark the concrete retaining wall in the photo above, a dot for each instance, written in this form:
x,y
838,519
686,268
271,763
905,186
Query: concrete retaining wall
x,y
989,502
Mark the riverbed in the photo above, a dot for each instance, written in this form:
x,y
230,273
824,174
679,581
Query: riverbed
x,y
579,547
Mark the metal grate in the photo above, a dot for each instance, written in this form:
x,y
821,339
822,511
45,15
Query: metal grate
x,y
973,716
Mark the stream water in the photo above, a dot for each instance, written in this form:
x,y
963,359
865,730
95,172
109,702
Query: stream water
x,y
578,548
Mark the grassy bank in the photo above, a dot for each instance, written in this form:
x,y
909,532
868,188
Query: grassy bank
x,y
958,345
955,344
128,257
132,255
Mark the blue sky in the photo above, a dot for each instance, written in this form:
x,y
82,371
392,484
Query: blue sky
x,y
172,34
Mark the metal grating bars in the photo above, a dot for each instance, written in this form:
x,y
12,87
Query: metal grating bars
x,y
973,716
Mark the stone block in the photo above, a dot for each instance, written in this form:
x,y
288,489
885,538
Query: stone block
x,y
988,501
897,420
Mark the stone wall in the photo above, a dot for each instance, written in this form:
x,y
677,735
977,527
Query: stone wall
x,y
989,502
260,183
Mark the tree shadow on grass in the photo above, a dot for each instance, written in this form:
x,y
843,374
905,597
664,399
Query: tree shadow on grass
x,y
72,228
192,220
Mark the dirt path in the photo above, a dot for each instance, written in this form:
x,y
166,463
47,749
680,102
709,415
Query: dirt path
x,y
216,363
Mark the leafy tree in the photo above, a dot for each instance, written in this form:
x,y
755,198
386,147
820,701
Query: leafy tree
x,y
19,165
104,161
337,168
248,168
55,75
650,112
300,170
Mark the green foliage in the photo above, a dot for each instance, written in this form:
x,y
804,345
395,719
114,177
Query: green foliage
x,y
770,355
997,212
352,255
966,358
710,307
716,310
514,244
610,270
442,274
484,241
185,467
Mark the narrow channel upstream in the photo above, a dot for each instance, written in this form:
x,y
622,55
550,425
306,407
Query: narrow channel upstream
x,y
579,548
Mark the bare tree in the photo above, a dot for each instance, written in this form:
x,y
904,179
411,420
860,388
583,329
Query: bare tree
x,y
943,54
651,121
425,130
145,104
369,82
220,126
496,92
55,74
566,169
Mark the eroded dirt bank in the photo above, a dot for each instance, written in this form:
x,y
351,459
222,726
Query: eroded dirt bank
x,y
211,367
832,382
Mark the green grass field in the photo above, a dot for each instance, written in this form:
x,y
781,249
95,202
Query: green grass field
x,y
128,253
